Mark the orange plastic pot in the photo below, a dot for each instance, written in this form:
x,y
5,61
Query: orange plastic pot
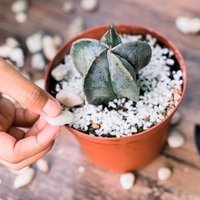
x,y
131,152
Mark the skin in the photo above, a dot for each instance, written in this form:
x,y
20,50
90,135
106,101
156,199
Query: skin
x,y
21,147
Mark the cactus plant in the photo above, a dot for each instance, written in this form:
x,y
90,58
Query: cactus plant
x,y
109,67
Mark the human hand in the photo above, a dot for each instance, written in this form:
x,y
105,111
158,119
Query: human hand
x,y
18,148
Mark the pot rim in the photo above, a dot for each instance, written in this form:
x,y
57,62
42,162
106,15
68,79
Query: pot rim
x,y
123,27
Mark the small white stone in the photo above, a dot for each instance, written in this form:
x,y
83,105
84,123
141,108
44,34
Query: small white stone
x,y
176,118
127,180
188,25
57,40
1,181
40,83
164,173
49,48
42,165
21,17
38,62
12,42
89,5
68,7
65,117
34,42
19,6
5,51
81,169
59,72
69,98
17,56
24,178
175,139
75,27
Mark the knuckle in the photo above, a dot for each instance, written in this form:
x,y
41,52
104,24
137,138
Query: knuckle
x,y
33,97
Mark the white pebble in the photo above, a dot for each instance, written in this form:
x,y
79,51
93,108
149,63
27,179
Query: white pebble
x,y
34,42
40,83
21,17
75,27
38,62
175,139
89,5
24,178
57,40
49,48
65,117
59,72
175,118
164,173
127,180
170,61
5,51
12,42
81,169
68,7
17,56
1,181
19,6
188,25
69,98
42,165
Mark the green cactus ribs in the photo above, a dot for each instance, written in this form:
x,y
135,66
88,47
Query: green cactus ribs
x,y
109,67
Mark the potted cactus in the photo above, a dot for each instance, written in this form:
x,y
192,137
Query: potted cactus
x,y
126,83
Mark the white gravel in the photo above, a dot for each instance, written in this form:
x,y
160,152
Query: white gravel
x,y
161,88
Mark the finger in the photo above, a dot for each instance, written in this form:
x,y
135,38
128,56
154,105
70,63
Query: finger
x,y
24,118
24,163
16,133
25,92
14,151
7,111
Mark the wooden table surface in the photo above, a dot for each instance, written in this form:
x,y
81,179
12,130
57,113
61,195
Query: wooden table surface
x,y
64,181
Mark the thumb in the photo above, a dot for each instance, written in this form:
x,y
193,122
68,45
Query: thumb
x,y
25,92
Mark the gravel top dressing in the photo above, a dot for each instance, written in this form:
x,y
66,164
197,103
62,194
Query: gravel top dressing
x,y
160,84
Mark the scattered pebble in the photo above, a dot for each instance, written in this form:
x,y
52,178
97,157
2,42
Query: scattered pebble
x,y
12,42
164,173
34,42
68,7
24,178
89,5
65,117
19,6
17,56
38,61
40,83
175,139
69,98
49,47
188,25
21,17
42,165
81,169
57,40
59,72
127,180
5,51
1,181
176,118
75,27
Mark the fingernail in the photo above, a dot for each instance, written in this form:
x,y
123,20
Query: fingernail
x,y
52,108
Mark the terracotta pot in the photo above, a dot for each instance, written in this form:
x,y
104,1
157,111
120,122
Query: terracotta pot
x,y
131,152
